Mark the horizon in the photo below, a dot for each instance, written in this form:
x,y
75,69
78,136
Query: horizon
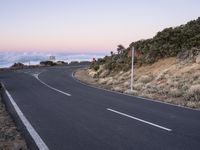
x,y
86,27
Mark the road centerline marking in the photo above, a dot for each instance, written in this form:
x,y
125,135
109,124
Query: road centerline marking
x,y
138,119
37,77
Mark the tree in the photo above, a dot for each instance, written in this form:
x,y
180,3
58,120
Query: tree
x,y
120,49
111,53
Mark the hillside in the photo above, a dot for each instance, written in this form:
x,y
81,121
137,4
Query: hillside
x,y
168,43
167,67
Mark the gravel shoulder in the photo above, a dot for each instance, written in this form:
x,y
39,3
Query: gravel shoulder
x,y
10,137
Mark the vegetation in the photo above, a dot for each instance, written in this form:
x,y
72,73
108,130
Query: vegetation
x,y
47,63
167,43
166,80
17,66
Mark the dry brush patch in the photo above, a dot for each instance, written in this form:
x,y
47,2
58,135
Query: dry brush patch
x,y
193,94
164,80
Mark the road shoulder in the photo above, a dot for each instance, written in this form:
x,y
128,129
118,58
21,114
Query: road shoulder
x,y
10,136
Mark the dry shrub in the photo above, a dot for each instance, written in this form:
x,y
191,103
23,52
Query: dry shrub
x,y
191,104
109,81
173,82
92,73
126,83
174,92
118,89
185,87
196,75
145,78
101,68
193,93
104,73
127,74
161,86
161,76
115,81
133,92
138,86
121,78
102,81
148,85
152,89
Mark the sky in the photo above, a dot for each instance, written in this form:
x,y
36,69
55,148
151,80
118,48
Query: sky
x,y
87,26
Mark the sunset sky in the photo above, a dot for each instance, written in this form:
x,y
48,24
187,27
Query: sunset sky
x,y
86,26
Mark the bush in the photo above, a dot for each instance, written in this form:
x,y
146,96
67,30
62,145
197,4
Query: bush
x,y
96,67
193,93
145,78
174,92
17,66
47,63
168,43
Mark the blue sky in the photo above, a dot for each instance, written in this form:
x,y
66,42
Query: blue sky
x,y
87,25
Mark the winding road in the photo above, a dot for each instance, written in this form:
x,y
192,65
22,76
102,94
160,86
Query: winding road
x,y
62,114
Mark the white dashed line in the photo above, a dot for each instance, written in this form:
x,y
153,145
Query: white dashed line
x,y
138,119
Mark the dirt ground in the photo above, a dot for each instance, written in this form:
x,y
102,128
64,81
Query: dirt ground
x,y
83,76
10,137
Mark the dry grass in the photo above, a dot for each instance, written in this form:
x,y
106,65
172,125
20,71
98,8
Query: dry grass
x,y
164,80
174,92
138,86
193,93
145,78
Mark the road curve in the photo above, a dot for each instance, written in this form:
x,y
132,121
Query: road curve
x,y
68,115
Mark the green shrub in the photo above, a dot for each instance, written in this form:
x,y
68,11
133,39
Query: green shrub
x,y
167,43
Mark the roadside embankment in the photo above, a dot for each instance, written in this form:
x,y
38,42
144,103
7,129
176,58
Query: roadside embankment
x,y
166,80
10,137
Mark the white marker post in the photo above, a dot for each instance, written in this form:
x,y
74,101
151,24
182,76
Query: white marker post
x,y
132,69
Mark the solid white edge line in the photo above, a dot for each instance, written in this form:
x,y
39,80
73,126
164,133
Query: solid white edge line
x,y
38,140
141,120
37,77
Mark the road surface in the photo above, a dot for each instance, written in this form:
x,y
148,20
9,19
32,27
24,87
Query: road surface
x,y
68,115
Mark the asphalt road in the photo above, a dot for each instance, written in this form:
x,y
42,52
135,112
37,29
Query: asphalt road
x,y
68,115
